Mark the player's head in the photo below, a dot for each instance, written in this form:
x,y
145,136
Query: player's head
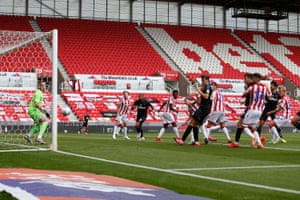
x,y
273,85
214,85
204,80
248,78
125,94
281,90
256,77
175,93
141,96
42,86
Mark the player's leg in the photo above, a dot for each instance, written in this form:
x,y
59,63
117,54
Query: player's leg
x,y
226,132
35,115
296,121
43,126
238,132
274,132
166,118
117,128
278,123
124,123
210,126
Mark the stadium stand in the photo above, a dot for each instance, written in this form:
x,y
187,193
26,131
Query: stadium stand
x,y
23,59
102,105
14,105
282,50
104,47
124,51
207,51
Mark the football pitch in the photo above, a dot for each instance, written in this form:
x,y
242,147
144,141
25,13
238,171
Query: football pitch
x,y
213,171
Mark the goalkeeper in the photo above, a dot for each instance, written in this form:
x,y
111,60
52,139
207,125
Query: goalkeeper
x,y
39,116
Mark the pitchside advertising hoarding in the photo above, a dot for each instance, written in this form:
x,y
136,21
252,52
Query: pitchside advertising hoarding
x,y
119,82
18,79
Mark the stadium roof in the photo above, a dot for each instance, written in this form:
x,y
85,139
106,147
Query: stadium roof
x,y
268,5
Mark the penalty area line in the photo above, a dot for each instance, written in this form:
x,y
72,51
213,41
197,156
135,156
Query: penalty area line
x,y
185,174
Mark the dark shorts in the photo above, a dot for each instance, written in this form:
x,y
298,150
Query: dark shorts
x,y
244,113
84,124
200,115
141,118
264,115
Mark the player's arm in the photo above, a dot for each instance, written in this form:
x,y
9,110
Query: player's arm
x,y
279,108
133,106
118,108
162,105
205,94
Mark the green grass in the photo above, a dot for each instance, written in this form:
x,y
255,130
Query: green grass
x,y
195,163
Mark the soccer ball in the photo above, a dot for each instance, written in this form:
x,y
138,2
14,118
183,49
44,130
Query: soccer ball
x,y
66,111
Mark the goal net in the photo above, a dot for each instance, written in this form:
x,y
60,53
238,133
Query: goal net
x,y
26,59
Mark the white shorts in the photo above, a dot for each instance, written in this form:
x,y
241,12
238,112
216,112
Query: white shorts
x,y
216,117
252,117
122,119
167,118
281,121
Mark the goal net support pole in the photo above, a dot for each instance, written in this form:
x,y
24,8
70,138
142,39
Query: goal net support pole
x,y
54,90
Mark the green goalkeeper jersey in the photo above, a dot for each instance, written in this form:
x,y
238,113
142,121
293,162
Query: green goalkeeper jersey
x,y
36,98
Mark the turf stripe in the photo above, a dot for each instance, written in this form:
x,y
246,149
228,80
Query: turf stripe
x,y
185,174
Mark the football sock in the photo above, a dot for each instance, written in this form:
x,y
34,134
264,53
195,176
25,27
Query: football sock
x,y
43,128
255,133
204,131
138,130
196,134
238,134
175,129
35,128
248,132
125,132
259,131
275,134
225,130
279,132
161,132
116,130
298,126
142,133
187,132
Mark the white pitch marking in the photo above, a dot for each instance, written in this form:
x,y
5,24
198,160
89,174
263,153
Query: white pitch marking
x,y
242,167
185,174
273,148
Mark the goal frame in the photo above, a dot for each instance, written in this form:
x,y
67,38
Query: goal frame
x,y
54,85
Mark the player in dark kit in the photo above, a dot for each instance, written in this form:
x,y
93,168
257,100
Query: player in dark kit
x,y
248,80
200,114
85,123
271,104
142,106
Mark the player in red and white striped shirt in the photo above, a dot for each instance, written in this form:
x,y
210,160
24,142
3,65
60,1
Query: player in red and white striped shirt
x,y
168,107
283,106
122,118
258,93
216,118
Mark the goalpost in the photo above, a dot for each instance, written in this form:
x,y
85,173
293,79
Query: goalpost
x,y
26,58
